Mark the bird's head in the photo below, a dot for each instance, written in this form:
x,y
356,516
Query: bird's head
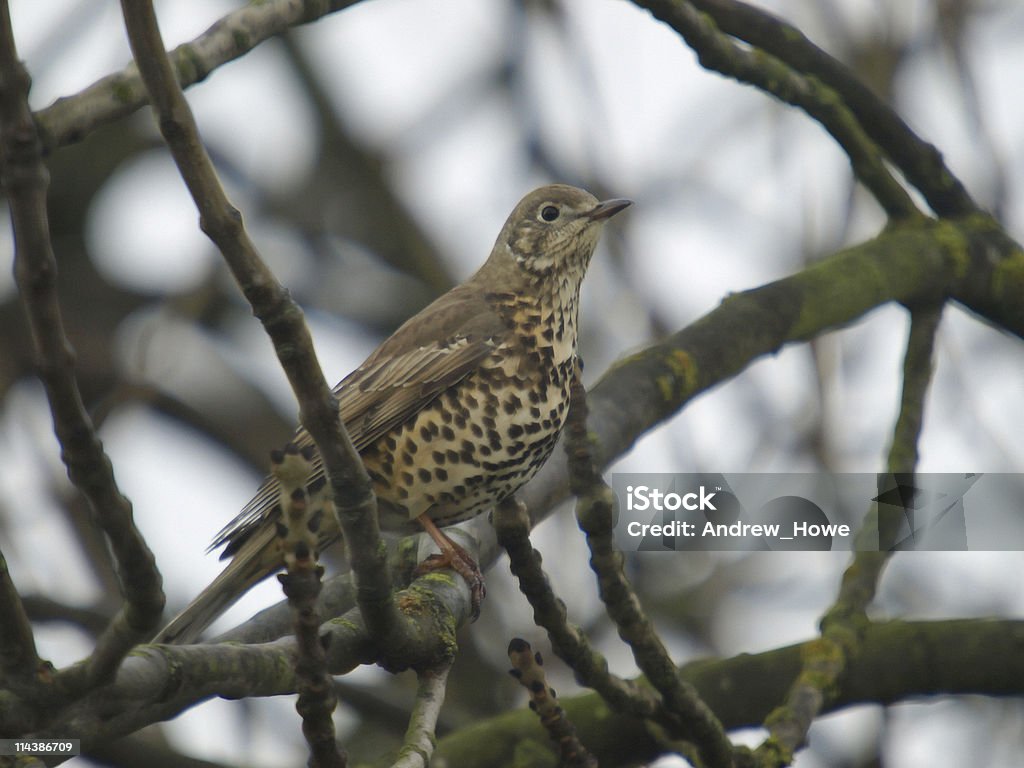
x,y
553,230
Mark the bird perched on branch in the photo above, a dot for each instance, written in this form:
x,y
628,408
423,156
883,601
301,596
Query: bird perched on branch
x,y
455,411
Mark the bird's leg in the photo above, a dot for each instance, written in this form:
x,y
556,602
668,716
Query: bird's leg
x,y
455,557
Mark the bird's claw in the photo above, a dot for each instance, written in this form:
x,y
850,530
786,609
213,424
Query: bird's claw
x,y
459,561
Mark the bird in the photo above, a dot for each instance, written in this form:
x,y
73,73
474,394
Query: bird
x,y
456,410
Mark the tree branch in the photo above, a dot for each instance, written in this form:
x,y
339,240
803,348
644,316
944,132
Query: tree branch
x,y
72,118
420,740
918,368
595,512
920,162
303,510
897,661
919,262
567,640
25,178
767,72
282,319
158,682
19,661
842,626
528,669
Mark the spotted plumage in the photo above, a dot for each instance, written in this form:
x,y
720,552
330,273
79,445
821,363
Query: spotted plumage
x,y
461,406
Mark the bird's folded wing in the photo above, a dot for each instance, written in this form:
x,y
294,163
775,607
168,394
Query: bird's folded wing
x,y
430,353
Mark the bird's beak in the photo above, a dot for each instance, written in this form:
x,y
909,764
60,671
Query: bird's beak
x,y
608,208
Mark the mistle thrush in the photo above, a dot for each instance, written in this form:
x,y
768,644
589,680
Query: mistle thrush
x,y
460,407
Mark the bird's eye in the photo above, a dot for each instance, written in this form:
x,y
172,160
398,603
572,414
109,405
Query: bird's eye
x,y
549,213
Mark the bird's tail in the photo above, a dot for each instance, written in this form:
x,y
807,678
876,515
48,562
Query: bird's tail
x,y
254,561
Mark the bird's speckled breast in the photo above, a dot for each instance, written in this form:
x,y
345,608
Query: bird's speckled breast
x,y
485,437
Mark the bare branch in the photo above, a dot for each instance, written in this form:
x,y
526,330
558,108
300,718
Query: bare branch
x,y
920,162
716,51
419,738
918,368
72,118
949,657
528,669
281,317
567,640
595,513
909,264
26,179
302,514
843,626
19,662
158,682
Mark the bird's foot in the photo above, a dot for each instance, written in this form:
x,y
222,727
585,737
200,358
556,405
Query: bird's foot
x,y
460,561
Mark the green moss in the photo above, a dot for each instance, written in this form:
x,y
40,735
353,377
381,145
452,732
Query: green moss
x,y
1008,278
681,378
950,237
347,624
684,367
123,90
188,65
771,753
417,600
441,577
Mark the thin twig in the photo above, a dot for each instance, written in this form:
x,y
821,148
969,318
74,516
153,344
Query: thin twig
x,y
920,162
528,669
302,512
19,661
25,179
72,118
420,738
281,317
316,698
92,619
844,625
512,523
769,73
595,512
918,367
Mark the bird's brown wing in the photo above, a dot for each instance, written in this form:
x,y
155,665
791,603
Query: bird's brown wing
x,y
431,352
